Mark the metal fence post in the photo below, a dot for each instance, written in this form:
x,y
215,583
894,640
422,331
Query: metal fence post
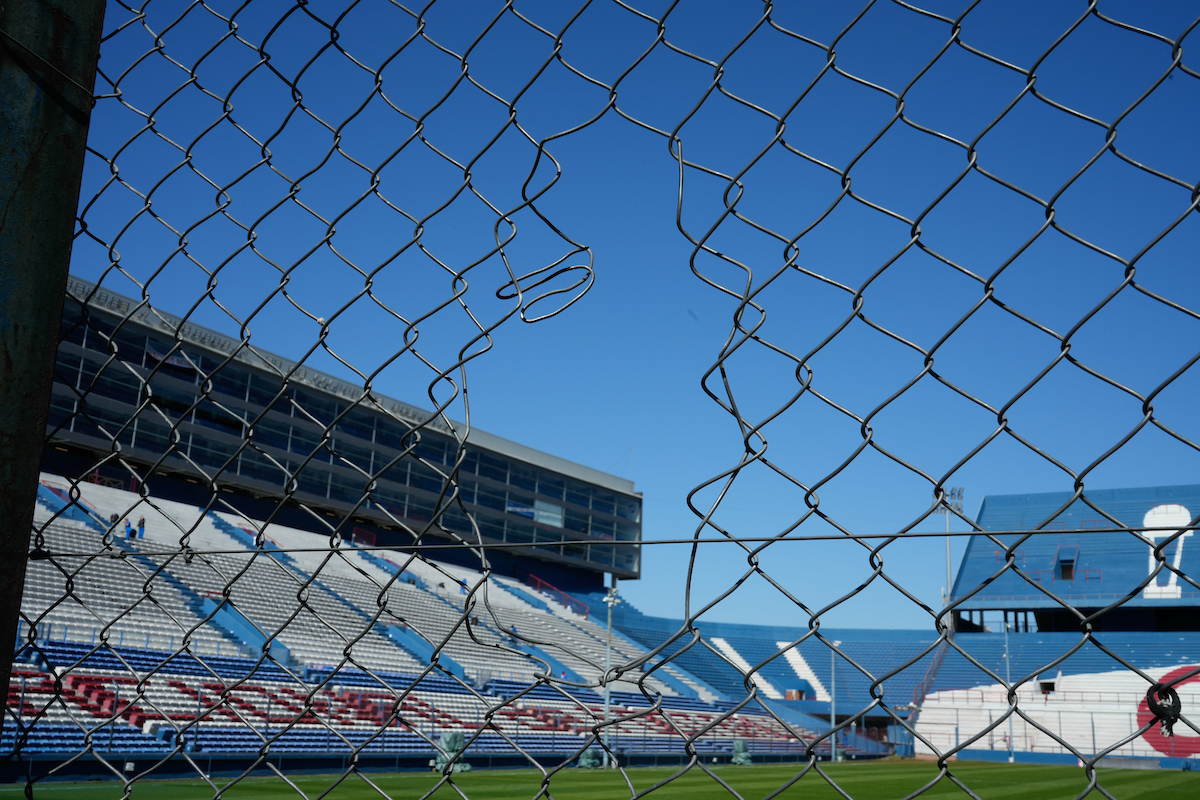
x,y
48,54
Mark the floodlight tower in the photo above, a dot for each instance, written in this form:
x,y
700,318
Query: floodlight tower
x,y
953,501
833,699
1008,680
610,600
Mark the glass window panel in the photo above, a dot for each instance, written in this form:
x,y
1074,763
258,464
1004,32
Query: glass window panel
x,y
271,433
418,509
423,477
117,383
521,505
280,409
99,324
359,423
359,456
208,364
347,490
62,408
489,497
87,371
72,327
454,519
263,389
210,415
551,486
66,369
391,433
627,532
518,532
549,548
94,420
169,362
125,437
255,465
152,435
306,441
493,467
522,477
431,450
397,473
86,426
111,421
131,345
574,521
603,501
466,491
231,381
601,554
548,514
470,462
579,495
209,453
390,500
602,528
629,508
492,527
100,330
627,557
319,408
313,481
173,402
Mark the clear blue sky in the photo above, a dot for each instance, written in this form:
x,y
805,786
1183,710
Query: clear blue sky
x,y
614,381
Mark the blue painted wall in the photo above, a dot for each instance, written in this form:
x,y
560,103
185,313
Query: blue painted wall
x,y
1107,564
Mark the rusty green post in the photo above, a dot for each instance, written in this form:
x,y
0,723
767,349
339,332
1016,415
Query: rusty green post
x,y
48,53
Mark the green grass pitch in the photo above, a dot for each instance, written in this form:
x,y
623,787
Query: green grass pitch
x,y
862,781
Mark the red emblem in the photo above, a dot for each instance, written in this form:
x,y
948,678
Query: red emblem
x,y
1180,746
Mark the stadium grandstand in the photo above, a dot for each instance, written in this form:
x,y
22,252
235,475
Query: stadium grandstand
x,y
291,619
354,632
288,618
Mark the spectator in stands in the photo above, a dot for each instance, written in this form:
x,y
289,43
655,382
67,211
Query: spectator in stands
x,y
462,585
141,528
114,519
128,530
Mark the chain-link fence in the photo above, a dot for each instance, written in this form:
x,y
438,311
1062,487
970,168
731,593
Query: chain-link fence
x,y
269,537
